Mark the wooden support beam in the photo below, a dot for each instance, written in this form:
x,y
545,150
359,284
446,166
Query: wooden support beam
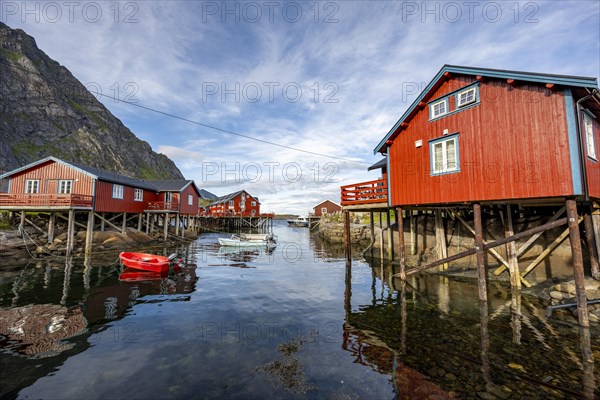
x,y
124,223
490,245
401,254
511,251
544,254
440,239
381,247
67,219
104,221
412,220
166,225
492,251
89,233
22,223
70,232
596,227
390,236
51,226
347,237
481,278
531,240
591,245
177,224
372,223
37,228
140,219
578,273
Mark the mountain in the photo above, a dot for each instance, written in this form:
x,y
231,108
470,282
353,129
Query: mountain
x,y
46,111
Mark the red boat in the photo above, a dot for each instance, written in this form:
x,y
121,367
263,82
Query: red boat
x,y
145,262
130,275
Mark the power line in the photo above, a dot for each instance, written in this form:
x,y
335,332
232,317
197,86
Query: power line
x,y
228,131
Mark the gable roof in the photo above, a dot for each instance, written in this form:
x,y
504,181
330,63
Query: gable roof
x,y
231,196
379,164
93,172
325,201
563,80
205,194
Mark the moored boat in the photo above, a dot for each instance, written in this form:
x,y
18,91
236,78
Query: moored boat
x,y
145,262
248,240
300,221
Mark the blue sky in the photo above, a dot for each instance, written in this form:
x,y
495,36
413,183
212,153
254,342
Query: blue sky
x,y
326,77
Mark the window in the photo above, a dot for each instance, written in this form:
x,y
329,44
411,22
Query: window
x,y
467,96
32,186
138,195
231,203
168,197
190,200
65,186
438,108
117,191
324,210
444,155
253,212
589,136
253,204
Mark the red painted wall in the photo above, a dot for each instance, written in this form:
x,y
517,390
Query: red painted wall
x,y
48,174
513,145
329,205
184,207
106,203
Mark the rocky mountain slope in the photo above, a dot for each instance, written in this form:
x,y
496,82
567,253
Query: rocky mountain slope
x,y
46,111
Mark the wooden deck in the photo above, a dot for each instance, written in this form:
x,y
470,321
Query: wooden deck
x,y
162,206
365,195
40,202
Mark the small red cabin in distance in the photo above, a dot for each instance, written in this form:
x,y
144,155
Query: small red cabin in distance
x,y
486,135
177,195
326,207
239,203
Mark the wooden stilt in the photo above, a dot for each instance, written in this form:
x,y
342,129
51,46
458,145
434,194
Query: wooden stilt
x,y
596,227
578,274
412,219
166,225
124,224
390,236
591,244
372,223
70,232
51,227
22,223
147,223
381,246
481,278
401,254
102,220
176,224
347,238
511,251
515,309
140,219
89,233
105,221
440,239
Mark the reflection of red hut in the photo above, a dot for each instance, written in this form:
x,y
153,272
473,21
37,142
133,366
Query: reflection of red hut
x,y
39,329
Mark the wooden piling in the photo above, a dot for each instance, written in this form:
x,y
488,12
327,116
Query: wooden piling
x,y
22,223
440,239
578,274
89,233
70,232
176,224
347,238
591,244
511,251
140,218
401,254
412,219
124,224
481,278
372,224
390,236
102,222
147,223
166,225
51,227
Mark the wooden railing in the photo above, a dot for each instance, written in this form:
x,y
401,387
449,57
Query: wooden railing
x,y
162,206
45,200
365,193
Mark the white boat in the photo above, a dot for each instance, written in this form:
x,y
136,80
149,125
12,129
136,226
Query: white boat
x,y
300,221
248,240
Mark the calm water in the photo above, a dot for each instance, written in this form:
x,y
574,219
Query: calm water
x,y
290,324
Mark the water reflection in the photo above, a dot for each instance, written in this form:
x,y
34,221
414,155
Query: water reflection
x,y
436,326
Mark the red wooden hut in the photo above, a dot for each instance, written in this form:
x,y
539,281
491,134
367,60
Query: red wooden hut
x,y
239,203
326,207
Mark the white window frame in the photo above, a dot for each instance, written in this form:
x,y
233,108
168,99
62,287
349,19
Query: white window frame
x,y
65,186
588,127
444,143
460,103
168,197
432,108
32,186
253,204
323,210
231,203
138,195
117,191
190,200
